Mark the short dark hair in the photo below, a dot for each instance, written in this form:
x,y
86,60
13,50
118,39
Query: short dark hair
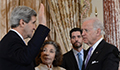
x,y
74,30
58,53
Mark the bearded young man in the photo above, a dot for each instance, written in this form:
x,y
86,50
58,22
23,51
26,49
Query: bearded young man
x,y
70,59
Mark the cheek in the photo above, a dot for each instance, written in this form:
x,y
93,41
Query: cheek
x,y
92,37
81,40
72,41
27,29
41,56
53,56
90,34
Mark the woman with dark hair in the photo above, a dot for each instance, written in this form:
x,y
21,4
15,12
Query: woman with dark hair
x,y
50,56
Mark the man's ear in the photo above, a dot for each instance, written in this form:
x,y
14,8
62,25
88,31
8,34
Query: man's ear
x,y
21,22
98,31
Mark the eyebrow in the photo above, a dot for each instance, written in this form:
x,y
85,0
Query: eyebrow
x,y
34,21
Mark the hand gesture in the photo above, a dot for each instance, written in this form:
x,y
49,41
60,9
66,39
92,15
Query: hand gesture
x,y
42,19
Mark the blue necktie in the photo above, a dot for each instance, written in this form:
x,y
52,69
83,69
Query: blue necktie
x,y
88,56
80,61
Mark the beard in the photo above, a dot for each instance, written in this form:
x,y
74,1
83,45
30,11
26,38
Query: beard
x,y
76,46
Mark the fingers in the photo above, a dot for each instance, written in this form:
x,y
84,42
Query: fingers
x,y
41,11
42,19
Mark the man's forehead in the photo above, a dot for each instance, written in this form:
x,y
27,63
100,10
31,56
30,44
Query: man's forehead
x,y
33,18
76,33
88,22
87,25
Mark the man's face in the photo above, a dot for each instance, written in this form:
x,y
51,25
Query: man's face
x,y
89,34
29,27
76,39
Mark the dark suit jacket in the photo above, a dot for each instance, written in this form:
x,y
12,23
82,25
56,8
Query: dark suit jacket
x,y
16,55
69,61
103,58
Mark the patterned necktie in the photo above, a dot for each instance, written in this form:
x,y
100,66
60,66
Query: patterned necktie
x,y
80,61
88,56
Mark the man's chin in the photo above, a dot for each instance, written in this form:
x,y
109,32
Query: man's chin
x,y
77,46
28,37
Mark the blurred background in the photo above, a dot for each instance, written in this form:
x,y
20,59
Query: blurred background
x,y
63,15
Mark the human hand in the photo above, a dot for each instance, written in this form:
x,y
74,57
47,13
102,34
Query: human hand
x,y
42,19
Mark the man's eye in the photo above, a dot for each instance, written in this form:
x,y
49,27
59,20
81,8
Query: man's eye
x,y
73,37
33,22
86,30
78,36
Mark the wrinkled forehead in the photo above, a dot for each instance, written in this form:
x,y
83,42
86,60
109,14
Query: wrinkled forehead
x,y
87,24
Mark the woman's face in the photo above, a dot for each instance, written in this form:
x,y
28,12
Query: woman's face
x,y
48,54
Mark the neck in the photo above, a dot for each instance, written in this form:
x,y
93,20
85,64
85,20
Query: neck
x,y
19,31
96,40
78,49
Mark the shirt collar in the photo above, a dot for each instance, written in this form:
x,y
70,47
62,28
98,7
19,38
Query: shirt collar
x,y
17,33
76,52
43,65
96,44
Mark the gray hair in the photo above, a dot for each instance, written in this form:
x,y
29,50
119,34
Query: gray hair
x,y
21,12
96,24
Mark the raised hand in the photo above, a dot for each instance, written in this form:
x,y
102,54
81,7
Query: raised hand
x,y
42,19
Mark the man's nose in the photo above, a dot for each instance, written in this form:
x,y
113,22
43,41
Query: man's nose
x,y
34,27
76,38
83,32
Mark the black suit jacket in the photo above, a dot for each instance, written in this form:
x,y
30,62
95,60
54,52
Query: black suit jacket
x,y
69,61
16,55
103,58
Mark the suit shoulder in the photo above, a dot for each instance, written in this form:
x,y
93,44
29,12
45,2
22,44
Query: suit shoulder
x,y
110,45
11,38
11,35
68,53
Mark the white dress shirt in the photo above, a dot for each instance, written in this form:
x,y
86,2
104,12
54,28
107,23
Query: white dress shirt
x,y
76,56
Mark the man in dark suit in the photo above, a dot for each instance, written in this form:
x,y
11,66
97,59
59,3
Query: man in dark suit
x,y
100,55
14,53
70,59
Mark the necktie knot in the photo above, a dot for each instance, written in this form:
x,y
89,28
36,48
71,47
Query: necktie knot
x,y
79,54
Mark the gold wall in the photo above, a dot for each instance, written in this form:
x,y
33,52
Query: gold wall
x,y
62,16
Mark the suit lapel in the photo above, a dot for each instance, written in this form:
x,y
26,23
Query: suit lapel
x,y
96,53
73,59
85,54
